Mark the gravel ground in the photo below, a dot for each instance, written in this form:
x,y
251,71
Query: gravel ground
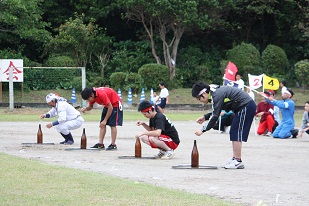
x,y
276,171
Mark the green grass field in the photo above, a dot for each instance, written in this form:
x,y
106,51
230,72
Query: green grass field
x,y
30,182
32,114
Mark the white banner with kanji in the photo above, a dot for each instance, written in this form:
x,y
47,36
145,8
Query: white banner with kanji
x,y
16,65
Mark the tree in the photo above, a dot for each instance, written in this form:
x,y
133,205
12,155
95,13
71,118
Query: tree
x,y
101,48
255,19
58,11
73,40
22,19
81,42
170,19
303,25
22,28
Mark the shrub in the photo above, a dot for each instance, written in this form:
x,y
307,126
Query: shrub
x,y
244,56
98,81
60,61
274,60
117,80
133,81
153,74
302,72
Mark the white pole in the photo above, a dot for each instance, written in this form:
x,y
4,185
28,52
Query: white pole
x,y
263,82
11,90
83,84
219,124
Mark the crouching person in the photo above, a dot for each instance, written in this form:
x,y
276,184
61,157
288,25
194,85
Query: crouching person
x,y
68,117
160,132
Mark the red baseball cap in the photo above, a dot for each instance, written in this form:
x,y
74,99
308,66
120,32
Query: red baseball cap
x,y
271,92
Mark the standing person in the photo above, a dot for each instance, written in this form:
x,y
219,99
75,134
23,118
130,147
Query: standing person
x,y
163,97
305,121
68,117
239,102
283,87
156,100
287,108
239,81
160,132
265,111
112,114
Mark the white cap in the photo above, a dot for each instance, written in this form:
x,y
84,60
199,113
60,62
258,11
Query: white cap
x,y
50,97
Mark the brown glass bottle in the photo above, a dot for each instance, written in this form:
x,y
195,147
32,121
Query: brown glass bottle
x,y
194,156
39,135
138,148
83,140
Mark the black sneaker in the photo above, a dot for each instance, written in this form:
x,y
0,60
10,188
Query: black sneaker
x,y
294,133
63,142
99,146
112,147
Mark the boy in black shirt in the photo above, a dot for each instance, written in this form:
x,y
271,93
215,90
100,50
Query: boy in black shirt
x,y
160,133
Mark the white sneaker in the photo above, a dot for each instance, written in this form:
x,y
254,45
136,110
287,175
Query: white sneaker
x,y
235,165
228,162
168,155
268,134
160,154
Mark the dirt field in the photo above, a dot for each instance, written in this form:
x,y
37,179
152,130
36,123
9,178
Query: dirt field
x,y
276,171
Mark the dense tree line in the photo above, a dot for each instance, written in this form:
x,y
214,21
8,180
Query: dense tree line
x,y
193,40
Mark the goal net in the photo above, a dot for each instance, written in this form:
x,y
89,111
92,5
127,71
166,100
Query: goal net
x,y
39,81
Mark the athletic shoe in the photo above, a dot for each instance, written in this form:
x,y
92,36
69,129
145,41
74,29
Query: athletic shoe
x,y
268,134
168,155
63,142
99,146
235,165
111,147
160,154
69,142
294,133
228,162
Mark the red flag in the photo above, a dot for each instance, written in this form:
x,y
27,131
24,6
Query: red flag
x,y
230,71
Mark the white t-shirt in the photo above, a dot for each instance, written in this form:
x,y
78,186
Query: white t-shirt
x,y
240,83
156,100
164,93
284,89
277,114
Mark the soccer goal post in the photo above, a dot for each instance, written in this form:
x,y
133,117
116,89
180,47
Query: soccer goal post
x,y
38,81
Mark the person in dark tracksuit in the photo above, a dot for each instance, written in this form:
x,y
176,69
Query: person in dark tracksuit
x,y
227,98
